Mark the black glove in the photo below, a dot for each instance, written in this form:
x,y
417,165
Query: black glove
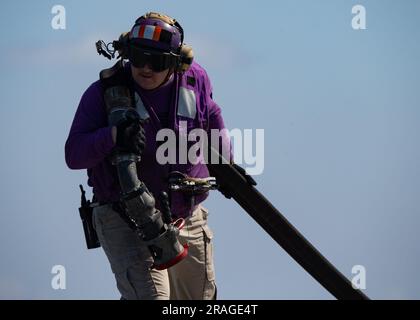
x,y
242,171
130,134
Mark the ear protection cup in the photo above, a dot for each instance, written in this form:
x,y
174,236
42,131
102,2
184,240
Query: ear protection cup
x,y
185,51
122,45
186,58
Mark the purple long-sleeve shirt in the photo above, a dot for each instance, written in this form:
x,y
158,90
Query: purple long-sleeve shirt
x,y
90,142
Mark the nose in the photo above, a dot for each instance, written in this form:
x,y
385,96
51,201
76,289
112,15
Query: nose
x,y
147,67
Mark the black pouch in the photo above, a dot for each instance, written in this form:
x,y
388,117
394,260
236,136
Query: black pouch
x,y
86,214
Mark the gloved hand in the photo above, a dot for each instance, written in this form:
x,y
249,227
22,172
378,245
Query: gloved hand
x,y
242,171
130,134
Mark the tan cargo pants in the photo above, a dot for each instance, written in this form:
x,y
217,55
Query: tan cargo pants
x,y
191,279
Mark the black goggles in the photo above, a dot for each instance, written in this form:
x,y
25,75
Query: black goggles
x,y
158,61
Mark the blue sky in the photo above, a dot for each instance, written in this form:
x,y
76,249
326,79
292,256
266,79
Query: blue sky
x,y
340,110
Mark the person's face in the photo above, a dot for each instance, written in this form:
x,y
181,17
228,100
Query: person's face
x,y
148,79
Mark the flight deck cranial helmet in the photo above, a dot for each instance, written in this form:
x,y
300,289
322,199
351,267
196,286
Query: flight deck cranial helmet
x,y
157,39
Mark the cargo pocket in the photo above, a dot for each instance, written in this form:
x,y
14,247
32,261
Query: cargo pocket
x,y
210,283
208,250
205,213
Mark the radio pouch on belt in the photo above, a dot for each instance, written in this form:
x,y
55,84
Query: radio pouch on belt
x,y
86,214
